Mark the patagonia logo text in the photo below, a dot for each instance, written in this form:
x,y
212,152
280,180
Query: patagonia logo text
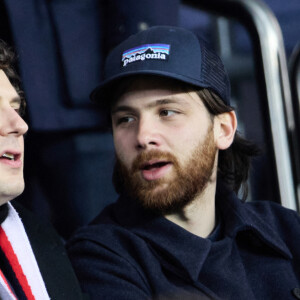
x,y
146,52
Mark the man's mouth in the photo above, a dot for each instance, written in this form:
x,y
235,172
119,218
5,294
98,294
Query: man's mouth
x,y
11,159
154,165
155,169
9,156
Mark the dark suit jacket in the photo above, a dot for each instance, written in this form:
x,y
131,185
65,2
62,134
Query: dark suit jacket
x,y
48,248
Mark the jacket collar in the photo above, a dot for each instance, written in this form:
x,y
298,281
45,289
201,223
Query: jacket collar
x,y
241,217
185,253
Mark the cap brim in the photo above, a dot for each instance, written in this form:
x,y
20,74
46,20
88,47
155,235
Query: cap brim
x,y
100,94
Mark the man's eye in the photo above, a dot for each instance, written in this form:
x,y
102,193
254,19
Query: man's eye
x,y
19,111
125,120
16,109
167,113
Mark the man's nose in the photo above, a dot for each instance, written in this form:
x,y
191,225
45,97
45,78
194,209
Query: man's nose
x,y
147,134
12,123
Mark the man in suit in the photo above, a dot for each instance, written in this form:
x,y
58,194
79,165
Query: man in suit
x,y
33,264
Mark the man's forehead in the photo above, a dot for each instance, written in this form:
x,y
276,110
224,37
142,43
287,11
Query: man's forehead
x,y
151,96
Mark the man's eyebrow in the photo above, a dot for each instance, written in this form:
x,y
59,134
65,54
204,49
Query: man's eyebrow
x,y
121,108
173,100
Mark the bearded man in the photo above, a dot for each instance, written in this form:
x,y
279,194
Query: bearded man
x,y
178,230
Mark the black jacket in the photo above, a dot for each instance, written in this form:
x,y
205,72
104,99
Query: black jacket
x,y
127,253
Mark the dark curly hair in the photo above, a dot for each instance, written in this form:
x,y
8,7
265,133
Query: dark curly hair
x,y
7,59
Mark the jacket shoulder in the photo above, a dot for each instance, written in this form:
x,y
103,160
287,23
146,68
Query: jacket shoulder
x,y
286,222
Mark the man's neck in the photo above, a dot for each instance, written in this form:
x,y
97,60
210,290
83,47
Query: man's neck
x,y
199,216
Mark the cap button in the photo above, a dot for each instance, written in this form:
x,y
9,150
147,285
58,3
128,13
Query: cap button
x,y
296,292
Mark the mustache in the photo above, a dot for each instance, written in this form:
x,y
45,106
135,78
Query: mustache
x,y
144,157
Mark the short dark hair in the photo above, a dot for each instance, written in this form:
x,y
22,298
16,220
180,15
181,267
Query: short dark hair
x,y
7,59
234,162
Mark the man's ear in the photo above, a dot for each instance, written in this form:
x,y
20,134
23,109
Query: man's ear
x,y
224,128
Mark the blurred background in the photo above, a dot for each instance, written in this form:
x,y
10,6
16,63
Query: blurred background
x,y
61,47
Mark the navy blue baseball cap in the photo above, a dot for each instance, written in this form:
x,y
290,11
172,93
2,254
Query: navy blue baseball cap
x,y
165,51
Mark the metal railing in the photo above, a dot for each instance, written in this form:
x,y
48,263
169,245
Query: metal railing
x,y
270,61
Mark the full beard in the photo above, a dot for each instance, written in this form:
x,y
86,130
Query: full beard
x,y
174,191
